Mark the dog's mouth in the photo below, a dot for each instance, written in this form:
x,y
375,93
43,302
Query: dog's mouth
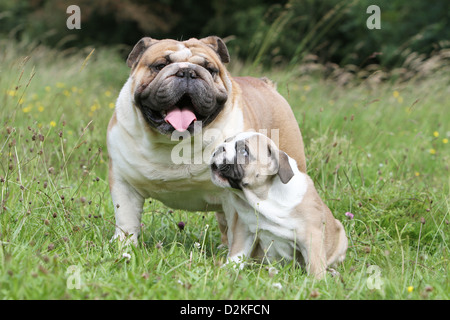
x,y
182,115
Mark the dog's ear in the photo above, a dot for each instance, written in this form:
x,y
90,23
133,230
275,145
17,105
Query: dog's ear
x,y
284,168
218,46
280,163
139,49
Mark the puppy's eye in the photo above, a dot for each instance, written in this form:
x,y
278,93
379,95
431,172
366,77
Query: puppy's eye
x,y
243,152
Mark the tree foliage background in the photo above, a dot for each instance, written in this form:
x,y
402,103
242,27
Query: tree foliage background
x,y
257,31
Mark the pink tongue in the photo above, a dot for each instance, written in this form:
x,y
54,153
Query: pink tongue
x,y
180,119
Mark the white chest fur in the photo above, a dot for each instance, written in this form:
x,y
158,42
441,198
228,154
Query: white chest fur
x,y
161,167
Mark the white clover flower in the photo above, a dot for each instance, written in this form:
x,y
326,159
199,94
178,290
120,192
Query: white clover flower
x,y
126,255
273,271
277,285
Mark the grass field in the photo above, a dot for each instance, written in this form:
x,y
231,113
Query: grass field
x,y
381,152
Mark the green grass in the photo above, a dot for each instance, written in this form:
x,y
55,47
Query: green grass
x,y
380,152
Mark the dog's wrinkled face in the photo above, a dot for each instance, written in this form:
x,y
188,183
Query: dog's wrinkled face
x,y
249,160
178,83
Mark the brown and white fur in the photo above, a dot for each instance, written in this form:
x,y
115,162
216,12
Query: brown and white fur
x,y
139,141
272,209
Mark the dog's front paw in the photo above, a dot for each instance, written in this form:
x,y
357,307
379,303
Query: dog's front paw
x,y
237,262
125,238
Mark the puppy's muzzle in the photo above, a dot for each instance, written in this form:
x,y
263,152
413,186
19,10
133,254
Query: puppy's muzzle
x,y
223,169
233,172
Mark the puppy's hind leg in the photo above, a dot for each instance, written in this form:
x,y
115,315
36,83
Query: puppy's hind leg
x,y
314,254
340,249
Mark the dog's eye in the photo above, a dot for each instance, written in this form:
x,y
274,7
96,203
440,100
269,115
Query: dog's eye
x,y
213,71
159,66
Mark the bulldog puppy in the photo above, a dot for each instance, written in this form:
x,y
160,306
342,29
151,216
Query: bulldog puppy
x,y
181,90
279,212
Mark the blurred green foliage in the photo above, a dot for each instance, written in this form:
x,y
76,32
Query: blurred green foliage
x,y
257,31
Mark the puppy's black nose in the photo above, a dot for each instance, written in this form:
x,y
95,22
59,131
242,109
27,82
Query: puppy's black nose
x,y
186,73
224,168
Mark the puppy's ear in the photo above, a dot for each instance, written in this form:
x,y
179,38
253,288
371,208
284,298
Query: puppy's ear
x,y
284,168
280,163
219,47
138,50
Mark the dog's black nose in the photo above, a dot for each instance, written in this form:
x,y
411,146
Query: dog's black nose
x,y
186,73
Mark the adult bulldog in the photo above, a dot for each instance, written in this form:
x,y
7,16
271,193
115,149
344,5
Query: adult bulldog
x,y
175,89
